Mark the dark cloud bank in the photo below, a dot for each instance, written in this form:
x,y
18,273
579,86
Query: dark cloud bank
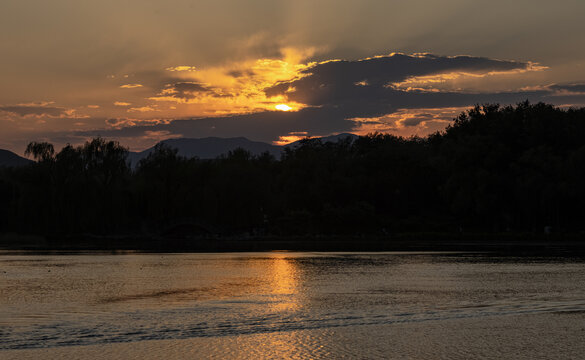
x,y
34,110
337,91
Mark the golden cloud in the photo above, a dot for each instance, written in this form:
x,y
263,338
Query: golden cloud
x,y
290,138
181,68
236,87
407,122
119,123
436,82
130,86
142,109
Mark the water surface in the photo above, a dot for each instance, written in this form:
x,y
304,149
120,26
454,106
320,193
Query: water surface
x,y
296,305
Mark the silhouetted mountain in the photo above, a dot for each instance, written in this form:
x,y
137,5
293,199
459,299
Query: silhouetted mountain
x,y
212,147
326,139
8,158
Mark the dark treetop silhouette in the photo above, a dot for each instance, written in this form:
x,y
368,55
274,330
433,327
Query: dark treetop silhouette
x,y
494,169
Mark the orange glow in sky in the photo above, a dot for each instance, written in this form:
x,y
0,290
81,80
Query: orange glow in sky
x,y
231,88
136,63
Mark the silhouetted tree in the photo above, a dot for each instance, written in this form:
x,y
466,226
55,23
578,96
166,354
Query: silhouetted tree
x,y
513,168
40,151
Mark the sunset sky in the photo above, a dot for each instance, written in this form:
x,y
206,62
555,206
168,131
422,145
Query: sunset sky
x,y
140,71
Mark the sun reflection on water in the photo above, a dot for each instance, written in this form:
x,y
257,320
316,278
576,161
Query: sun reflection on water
x,y
284,283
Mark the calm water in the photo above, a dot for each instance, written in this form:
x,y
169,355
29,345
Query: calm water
x,y
296,305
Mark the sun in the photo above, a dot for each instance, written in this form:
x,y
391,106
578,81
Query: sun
x,y
283,107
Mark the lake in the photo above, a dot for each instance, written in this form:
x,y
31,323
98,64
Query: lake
x,y
291,305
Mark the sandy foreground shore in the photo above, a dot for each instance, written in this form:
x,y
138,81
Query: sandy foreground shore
x,y
532,336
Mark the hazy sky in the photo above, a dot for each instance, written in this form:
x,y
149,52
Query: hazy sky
x,y
143,70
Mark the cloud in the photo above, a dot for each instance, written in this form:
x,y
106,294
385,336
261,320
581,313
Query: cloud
x,y
372,94
290,137
233,87
408,122
183,91
160,135
181,68
417,119
130,86
264,126
373,81
36,109
363,88
419,114
439,82
121,123
240,73
567,90
142,109
397,93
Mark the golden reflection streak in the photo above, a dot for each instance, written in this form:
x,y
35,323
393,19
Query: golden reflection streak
x,y
284,286
284,283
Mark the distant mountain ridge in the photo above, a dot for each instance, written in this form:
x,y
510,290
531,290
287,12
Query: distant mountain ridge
x,y
10,159
203,148
212,147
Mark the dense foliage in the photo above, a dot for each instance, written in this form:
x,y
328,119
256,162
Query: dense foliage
x,y
517,168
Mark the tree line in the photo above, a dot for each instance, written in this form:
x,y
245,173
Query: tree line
x,y
494,169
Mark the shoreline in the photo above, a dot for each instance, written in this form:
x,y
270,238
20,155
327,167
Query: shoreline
x,y
506,243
